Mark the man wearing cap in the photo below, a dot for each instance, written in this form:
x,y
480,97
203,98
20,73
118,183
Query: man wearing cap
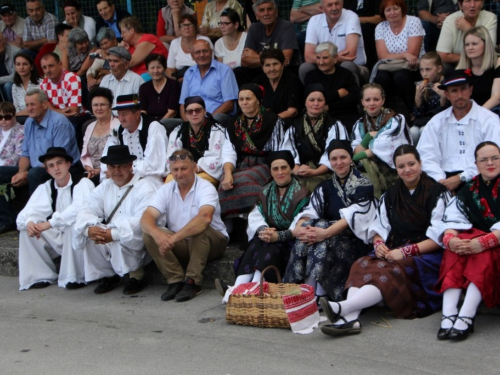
x,y
108,227
46,226
145,138
194,234
11,25
39,27
121,81
449,139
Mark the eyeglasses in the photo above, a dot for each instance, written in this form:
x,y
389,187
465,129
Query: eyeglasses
x,y
194,110
186,25
225,23
179,157
494,159
6,117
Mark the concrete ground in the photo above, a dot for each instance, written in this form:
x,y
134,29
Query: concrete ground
x,y
56,331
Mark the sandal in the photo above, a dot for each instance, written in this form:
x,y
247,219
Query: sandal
x,y
443,333
332,316
347,328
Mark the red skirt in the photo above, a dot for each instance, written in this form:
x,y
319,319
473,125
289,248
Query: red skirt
x,y
482,269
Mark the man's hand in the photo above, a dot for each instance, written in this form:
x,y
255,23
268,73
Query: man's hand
x,y
227,182
100,235
19,179
32,230
344,56
164,241
43,226
451,183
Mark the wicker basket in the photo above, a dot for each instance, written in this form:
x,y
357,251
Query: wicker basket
x,y
262,310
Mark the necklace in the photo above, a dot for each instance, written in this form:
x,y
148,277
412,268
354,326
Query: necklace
x,y
285,185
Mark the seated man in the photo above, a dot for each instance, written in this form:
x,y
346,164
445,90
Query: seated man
x,y
432,14
167,27
46,226
146,139
449,139
11,25
194,234
301,12
108,230
110,16
121,81
74,17
7,53
39,27
43,129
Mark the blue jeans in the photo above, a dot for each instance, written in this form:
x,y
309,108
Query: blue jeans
x,y
7,91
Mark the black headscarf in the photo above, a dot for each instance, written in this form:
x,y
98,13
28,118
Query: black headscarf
x,y
339,144
281,155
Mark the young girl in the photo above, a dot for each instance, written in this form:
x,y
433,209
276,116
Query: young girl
x,y
429,100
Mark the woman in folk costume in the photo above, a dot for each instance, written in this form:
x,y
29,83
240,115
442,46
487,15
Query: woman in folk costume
x,y
376,136
404,265
331,229
308,137
471,261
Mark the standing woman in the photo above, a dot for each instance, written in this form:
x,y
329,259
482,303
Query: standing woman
x,y
479,56
332,230
211,16
308,137
404,265
229,48
25,78
399,36
256,132
375,137
471,259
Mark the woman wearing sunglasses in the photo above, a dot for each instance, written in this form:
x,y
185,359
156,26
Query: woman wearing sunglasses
x,y
201,135
11,136
229,48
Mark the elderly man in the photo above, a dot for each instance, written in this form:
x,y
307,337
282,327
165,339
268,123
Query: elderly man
x,y
110,16
145,138
39,27
74,17
43,129
7,53
11,25
108,230
121,81
167,27
449,139
194,233
341,27
46,226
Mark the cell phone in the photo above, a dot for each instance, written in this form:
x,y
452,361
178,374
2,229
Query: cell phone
x,y
94,55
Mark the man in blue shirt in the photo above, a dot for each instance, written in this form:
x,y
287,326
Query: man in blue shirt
x,y
43,129
110,16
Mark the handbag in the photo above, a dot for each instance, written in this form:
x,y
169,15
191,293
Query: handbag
x,y
393,65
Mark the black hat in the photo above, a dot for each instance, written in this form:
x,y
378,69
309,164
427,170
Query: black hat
x,y
285,155
118,155
257,90
339,144
456,77
7,8
126,102
313,87
53,152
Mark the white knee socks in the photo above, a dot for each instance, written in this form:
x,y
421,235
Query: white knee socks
x,y
450,301
469,307
357,300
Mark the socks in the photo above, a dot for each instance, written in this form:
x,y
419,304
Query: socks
x,y
243,279
450,301
320,292
469,307
138,274
366,296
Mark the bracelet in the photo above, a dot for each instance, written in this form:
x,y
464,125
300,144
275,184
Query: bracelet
x,y
377,243
488,241
285,236
410,250
447,238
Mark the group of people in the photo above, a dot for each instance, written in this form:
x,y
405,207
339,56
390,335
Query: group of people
x,y
136,152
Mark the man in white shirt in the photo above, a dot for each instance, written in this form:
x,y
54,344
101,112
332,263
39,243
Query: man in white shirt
x,y
194,234
108,230
449,139
46,226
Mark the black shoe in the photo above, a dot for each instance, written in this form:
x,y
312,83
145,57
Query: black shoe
x,y
7,228
107,284
172,291
332,317
72,286
40,285
189,290
443,333
461,334
221,287
348,328
134,286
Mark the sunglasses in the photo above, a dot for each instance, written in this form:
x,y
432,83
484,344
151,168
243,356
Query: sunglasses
x,y
6,117
178,157
193,111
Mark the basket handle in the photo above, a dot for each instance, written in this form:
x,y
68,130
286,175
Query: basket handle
x,y
278,276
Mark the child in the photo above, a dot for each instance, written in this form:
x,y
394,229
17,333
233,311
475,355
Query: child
x,y
429,100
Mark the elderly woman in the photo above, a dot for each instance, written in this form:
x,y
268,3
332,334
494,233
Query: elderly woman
x,y
179,56
210,24
327,238
11,136
282,88
309,136
76,57
399,36
25,78
140,45
375,137
269,224
404,265
479,56
98,132
105,39
471,259
256,132
229,48
201,135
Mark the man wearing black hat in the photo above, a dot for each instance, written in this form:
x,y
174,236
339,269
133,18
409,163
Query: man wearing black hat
x,y
448,141
46,226
11,25
146,139
108,227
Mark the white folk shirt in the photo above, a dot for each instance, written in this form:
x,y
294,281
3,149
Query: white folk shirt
x,y
179,212
39,206
448,144
125,224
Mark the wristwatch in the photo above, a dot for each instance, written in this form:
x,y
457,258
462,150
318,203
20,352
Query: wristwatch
x,y
462,177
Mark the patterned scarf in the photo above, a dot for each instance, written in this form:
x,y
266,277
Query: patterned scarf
x,y
196,143
383,117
